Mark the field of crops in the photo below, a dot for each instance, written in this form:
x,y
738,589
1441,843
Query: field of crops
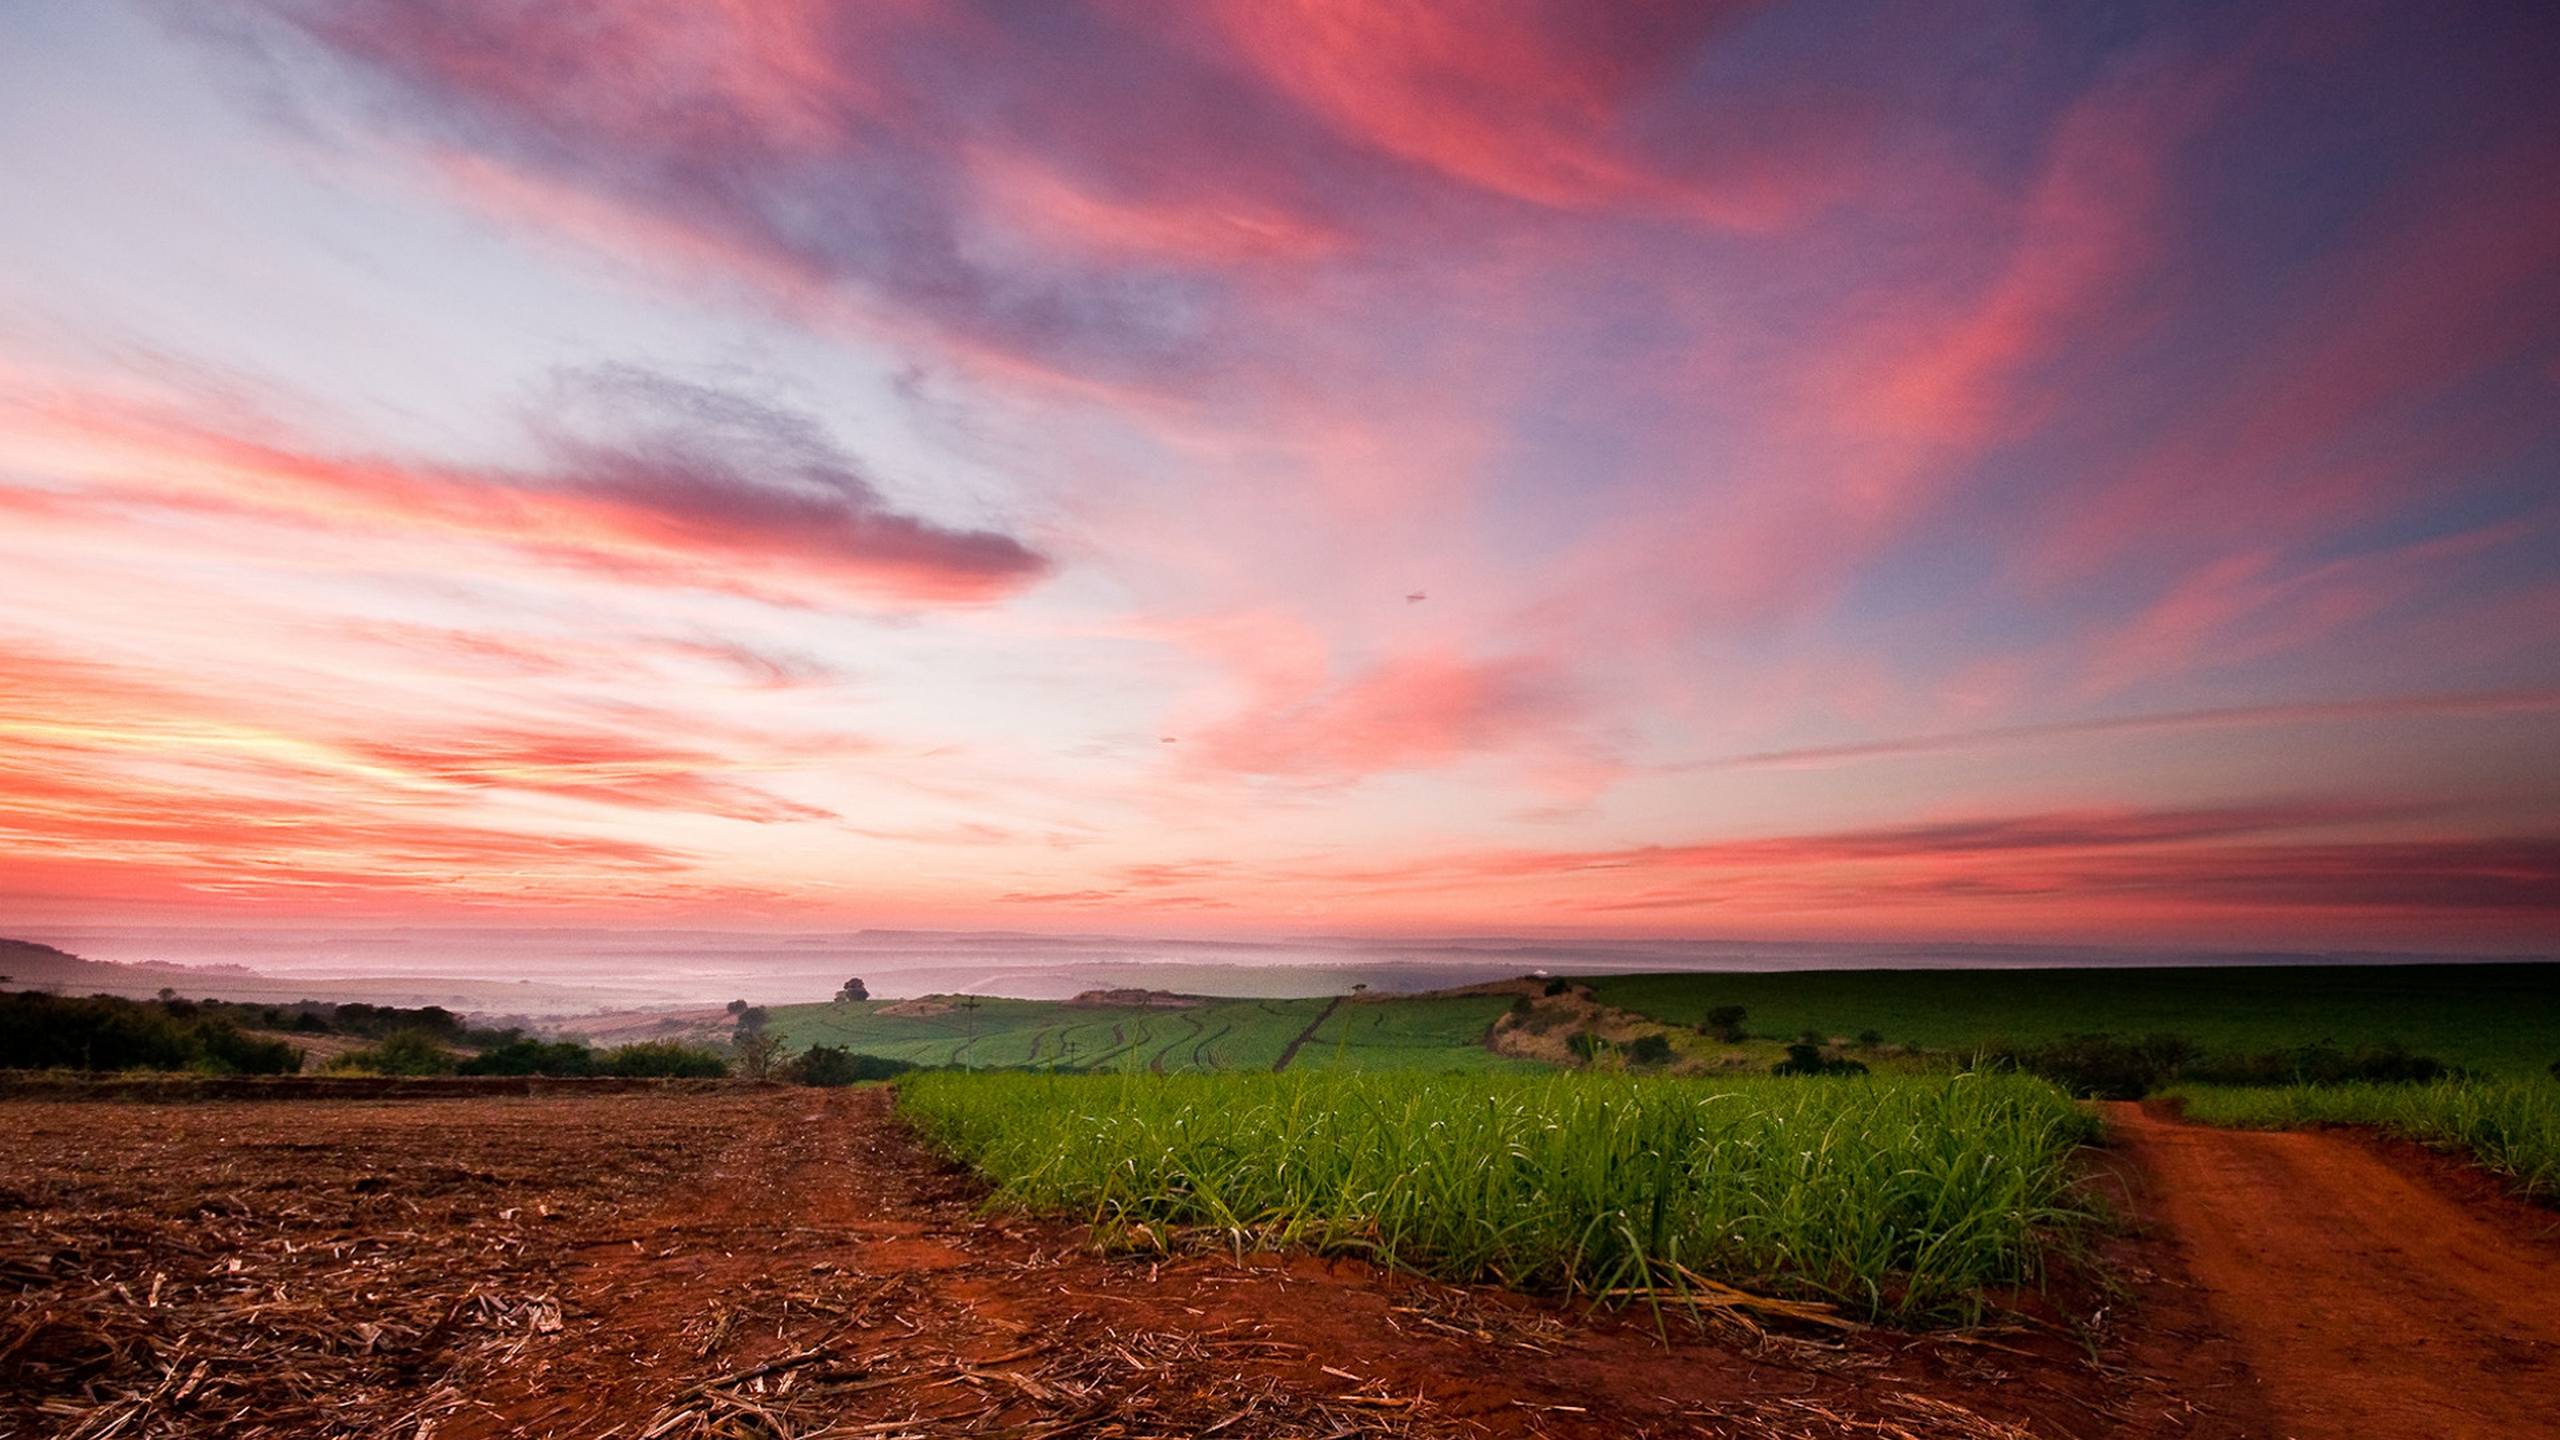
x,y
1432,1033
1893,1198
2494,1019
999,1033
1425,1032
2511,1126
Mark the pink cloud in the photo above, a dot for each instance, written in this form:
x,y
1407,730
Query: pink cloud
x,y
672,483
1525,101
2481,703
1407,712
2294,449
2246,606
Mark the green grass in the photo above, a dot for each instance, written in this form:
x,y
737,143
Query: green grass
x,y
1392,1033
2492,1019
2511,1126
1219,1035
1900,1198
1434,1033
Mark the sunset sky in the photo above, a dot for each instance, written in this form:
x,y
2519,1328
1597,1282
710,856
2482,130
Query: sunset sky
x,y
2072,472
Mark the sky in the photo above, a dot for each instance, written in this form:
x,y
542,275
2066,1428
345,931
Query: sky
x,y
2002,472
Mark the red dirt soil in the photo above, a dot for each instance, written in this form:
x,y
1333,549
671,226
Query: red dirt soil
x,y
2373,1290
772,1262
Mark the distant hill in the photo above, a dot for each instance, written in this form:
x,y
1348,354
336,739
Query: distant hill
x,y
32,966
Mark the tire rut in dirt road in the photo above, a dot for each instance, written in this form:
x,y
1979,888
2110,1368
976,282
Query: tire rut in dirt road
x,y
2368,1300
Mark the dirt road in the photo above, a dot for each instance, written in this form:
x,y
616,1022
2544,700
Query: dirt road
x,y
2373,1291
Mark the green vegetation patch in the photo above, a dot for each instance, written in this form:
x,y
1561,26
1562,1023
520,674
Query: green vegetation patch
x,y
2501,1019
101,1032
1422,1032
2511,1126
1016,1034
1893,1197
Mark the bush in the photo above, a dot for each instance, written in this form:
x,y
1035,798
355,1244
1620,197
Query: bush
x,y
1724,1022
2101,1067
1653,1049
228,1052
358,1018
831,1065
533,1057
1805,1057
2104,1067
2321,1064
665,1059
1556,987
102,1032
402,1052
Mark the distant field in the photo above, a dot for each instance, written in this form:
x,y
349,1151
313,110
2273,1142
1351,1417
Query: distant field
x,y
1219,1035
2493,1019
1399,1033
1427,1032
2496,1019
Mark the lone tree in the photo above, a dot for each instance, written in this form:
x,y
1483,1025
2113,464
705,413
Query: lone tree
x,y
737,1007
1725,1022
757,1049
852,990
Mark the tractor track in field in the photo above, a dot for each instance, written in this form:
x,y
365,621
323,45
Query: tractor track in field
x,y
1201,1048
1289,1052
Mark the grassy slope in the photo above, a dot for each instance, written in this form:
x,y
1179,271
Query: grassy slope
x,y
2496,1019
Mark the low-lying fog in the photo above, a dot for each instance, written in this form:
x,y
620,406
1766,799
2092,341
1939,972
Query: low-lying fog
x,y
562,970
